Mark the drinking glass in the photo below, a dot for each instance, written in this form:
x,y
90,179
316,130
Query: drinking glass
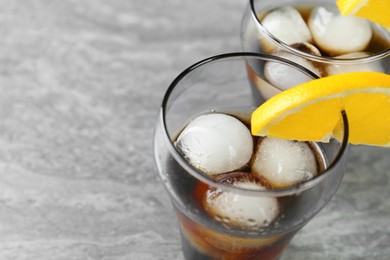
x,y
220,84
255,37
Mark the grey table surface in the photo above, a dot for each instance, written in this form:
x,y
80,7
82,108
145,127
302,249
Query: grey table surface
x,y
81,84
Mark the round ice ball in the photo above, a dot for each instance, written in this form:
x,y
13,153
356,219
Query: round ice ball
x,y
284,163
338,34
241,210
287,24
359,66
307,47
216,143
283,76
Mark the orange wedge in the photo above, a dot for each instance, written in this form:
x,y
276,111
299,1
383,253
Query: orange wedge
x,y
312,110
374,10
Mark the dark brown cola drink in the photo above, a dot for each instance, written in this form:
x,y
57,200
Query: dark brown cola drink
x,y
217,231
335,51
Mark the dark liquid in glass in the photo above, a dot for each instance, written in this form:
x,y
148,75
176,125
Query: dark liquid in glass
x,y
205,237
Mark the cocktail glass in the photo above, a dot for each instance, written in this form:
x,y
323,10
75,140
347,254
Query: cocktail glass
x,y
220,84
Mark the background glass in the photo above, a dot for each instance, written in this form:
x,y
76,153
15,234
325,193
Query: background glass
x,y
256,38
221,84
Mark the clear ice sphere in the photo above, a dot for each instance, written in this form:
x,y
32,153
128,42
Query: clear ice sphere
x,y
283,76
284,163
307,47
241,210
335,68
216,143
338,34
287,24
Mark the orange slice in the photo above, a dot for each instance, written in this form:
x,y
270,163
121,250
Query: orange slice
x,y
312,110
374,10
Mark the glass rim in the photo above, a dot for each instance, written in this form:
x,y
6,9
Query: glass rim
x,y
219,185
326,59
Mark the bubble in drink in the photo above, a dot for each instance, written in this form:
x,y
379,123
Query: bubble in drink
x,y
287,24
333,69
245,211
284,163
216,143
338,34
284,77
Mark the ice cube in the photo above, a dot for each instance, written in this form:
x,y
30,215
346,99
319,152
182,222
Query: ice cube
x,y
245,211
287,24
360,66
283,76
216,143
338,34
307,47
284,163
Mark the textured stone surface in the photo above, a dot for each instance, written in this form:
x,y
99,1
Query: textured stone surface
x,y
81,83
